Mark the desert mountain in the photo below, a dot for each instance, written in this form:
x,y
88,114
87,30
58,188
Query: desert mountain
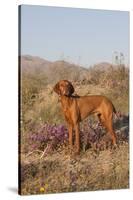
x,y
54,71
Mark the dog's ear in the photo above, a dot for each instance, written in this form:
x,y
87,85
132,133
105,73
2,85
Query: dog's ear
x,y
57,89
71,89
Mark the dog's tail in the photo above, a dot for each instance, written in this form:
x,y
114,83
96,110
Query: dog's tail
x,y
115,112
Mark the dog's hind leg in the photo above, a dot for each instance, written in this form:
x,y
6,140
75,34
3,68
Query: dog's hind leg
x,y
108,124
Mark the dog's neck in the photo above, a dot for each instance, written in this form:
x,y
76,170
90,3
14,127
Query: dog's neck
x,y
66,102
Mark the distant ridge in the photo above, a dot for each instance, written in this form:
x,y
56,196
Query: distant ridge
x,y
60,69
53,71
103,66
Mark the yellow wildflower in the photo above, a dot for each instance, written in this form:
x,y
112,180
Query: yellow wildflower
x,y
42,189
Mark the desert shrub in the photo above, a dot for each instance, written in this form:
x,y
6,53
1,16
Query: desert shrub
x,y
118,77
44,109
28,171
91,132
50,136
95,76
31,85
112,77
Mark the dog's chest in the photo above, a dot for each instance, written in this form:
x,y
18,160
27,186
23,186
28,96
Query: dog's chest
x,y
69,108
67,112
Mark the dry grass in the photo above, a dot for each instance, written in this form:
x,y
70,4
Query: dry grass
x,y
61,172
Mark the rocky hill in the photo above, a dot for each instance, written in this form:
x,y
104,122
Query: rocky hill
x,y
53,71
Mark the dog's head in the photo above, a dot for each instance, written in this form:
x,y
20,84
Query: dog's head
x,y
64,87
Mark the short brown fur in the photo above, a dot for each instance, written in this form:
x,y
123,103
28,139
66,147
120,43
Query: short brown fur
x,y
77,108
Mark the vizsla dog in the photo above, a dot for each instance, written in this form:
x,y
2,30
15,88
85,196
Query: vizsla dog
x,y
77,108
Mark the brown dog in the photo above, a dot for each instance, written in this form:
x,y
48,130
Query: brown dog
x,y
77,108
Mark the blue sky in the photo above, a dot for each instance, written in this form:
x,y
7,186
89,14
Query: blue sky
x,y
82,36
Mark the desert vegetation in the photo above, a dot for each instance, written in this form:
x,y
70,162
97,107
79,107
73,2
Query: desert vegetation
x,y
46,163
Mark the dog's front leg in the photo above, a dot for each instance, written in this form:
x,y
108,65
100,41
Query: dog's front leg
x,y
77,137
70,130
